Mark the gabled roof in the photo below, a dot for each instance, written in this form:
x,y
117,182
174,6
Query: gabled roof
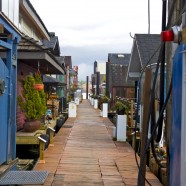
x,y
145,51
119,58
53,44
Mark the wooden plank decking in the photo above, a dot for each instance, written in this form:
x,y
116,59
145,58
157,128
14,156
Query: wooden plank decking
x,y
84,154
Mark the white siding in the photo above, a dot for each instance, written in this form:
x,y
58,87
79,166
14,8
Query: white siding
x,y
11,9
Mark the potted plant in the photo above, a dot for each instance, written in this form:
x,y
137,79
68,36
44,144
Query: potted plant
x,y
38,85
120,107
32,103
94,96
103,105
105,99
95,101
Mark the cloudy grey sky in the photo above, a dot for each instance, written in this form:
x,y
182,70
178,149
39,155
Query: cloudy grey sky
x,y
90,29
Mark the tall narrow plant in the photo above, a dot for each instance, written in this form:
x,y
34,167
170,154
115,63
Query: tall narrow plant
x,y
32,102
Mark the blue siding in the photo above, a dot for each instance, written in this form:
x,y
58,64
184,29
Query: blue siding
x,y
175,146
8,72
4,73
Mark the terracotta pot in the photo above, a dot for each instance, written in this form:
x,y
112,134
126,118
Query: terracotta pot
x,y
32,126
39,87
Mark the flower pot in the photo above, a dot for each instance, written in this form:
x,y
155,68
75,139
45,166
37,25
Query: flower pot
x,y
39,87
31,126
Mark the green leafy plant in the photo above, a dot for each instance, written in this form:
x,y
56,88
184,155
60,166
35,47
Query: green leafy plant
x,y
105,99
120,106
101,100
32,102
95,96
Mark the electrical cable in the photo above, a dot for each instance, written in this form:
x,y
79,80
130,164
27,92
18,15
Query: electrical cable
x,y
143,154
155,155
138,103
161,113
136,115
157,123
152,142
162,74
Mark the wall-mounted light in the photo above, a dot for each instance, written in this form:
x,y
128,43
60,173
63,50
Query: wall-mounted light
x,y
171,35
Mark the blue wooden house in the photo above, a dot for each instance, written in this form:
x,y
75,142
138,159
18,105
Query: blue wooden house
x,y
9,38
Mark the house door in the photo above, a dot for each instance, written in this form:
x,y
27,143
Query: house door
x,y
3,112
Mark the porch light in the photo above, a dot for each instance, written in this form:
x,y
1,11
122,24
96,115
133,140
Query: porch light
x,y
171,35
167,35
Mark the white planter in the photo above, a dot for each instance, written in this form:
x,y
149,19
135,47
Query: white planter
x,y
72,110
105,110
121,121
95,103
92,101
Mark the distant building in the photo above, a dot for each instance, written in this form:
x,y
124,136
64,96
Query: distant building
x,y
99,78
116,73
145,52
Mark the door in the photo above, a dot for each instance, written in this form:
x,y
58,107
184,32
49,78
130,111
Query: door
x,y
3,112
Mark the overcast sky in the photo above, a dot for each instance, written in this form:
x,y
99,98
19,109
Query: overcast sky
x,y
90,29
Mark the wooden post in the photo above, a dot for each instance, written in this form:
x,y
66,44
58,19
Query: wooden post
x,y
132,113
144,134
87,88
51,138
41,149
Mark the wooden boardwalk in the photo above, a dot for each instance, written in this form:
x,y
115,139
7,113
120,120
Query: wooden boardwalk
x,y
84,154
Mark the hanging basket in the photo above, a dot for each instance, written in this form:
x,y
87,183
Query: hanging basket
x,y
39,87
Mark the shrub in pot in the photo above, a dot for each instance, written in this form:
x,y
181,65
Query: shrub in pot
x,y
32,103
103,99
120,108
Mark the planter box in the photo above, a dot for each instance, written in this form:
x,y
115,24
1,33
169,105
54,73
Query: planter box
x,y
105,110
121,122
95,103
72,110
92,101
